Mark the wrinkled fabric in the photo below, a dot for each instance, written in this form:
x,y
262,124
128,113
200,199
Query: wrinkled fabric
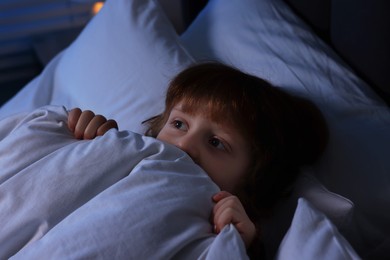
x,y
121,196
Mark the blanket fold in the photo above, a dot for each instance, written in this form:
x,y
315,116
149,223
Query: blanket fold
x,y
121,195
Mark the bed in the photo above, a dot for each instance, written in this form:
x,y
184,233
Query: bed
x,y
63,198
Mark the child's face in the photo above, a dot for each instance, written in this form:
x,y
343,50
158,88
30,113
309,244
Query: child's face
x,y
219,149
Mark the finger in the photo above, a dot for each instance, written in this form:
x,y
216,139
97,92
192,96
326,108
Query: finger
x,y
90,131
85,118
225,217
73,117
106,126
221,195
230,204
230,201
221,206
231,213
230,210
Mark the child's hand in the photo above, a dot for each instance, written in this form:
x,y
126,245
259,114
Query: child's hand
x,y
228,209
87,125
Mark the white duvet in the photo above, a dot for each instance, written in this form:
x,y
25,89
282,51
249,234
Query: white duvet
x,y
119,196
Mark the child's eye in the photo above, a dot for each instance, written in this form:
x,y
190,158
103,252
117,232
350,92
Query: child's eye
x,y
179,125
217,143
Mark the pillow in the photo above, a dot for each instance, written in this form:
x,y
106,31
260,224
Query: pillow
x,y
271,42
313,236
119,66
35,94
336,208
267,39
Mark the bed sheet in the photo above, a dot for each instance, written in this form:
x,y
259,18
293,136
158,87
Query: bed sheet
x,y
118,196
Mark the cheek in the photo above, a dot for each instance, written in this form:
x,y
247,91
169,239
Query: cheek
x,y
163,134
228,176
213,169
238,172
160,136
167,135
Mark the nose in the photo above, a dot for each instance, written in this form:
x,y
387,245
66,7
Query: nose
x,y
190,146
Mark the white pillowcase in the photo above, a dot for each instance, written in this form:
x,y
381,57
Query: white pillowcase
x,y
313,236
119,66
337,208
35,94
265,38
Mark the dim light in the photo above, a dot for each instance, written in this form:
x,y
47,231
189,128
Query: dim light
x,y
96,7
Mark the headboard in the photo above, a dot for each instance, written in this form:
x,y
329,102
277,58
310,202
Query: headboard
x,y
359,30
